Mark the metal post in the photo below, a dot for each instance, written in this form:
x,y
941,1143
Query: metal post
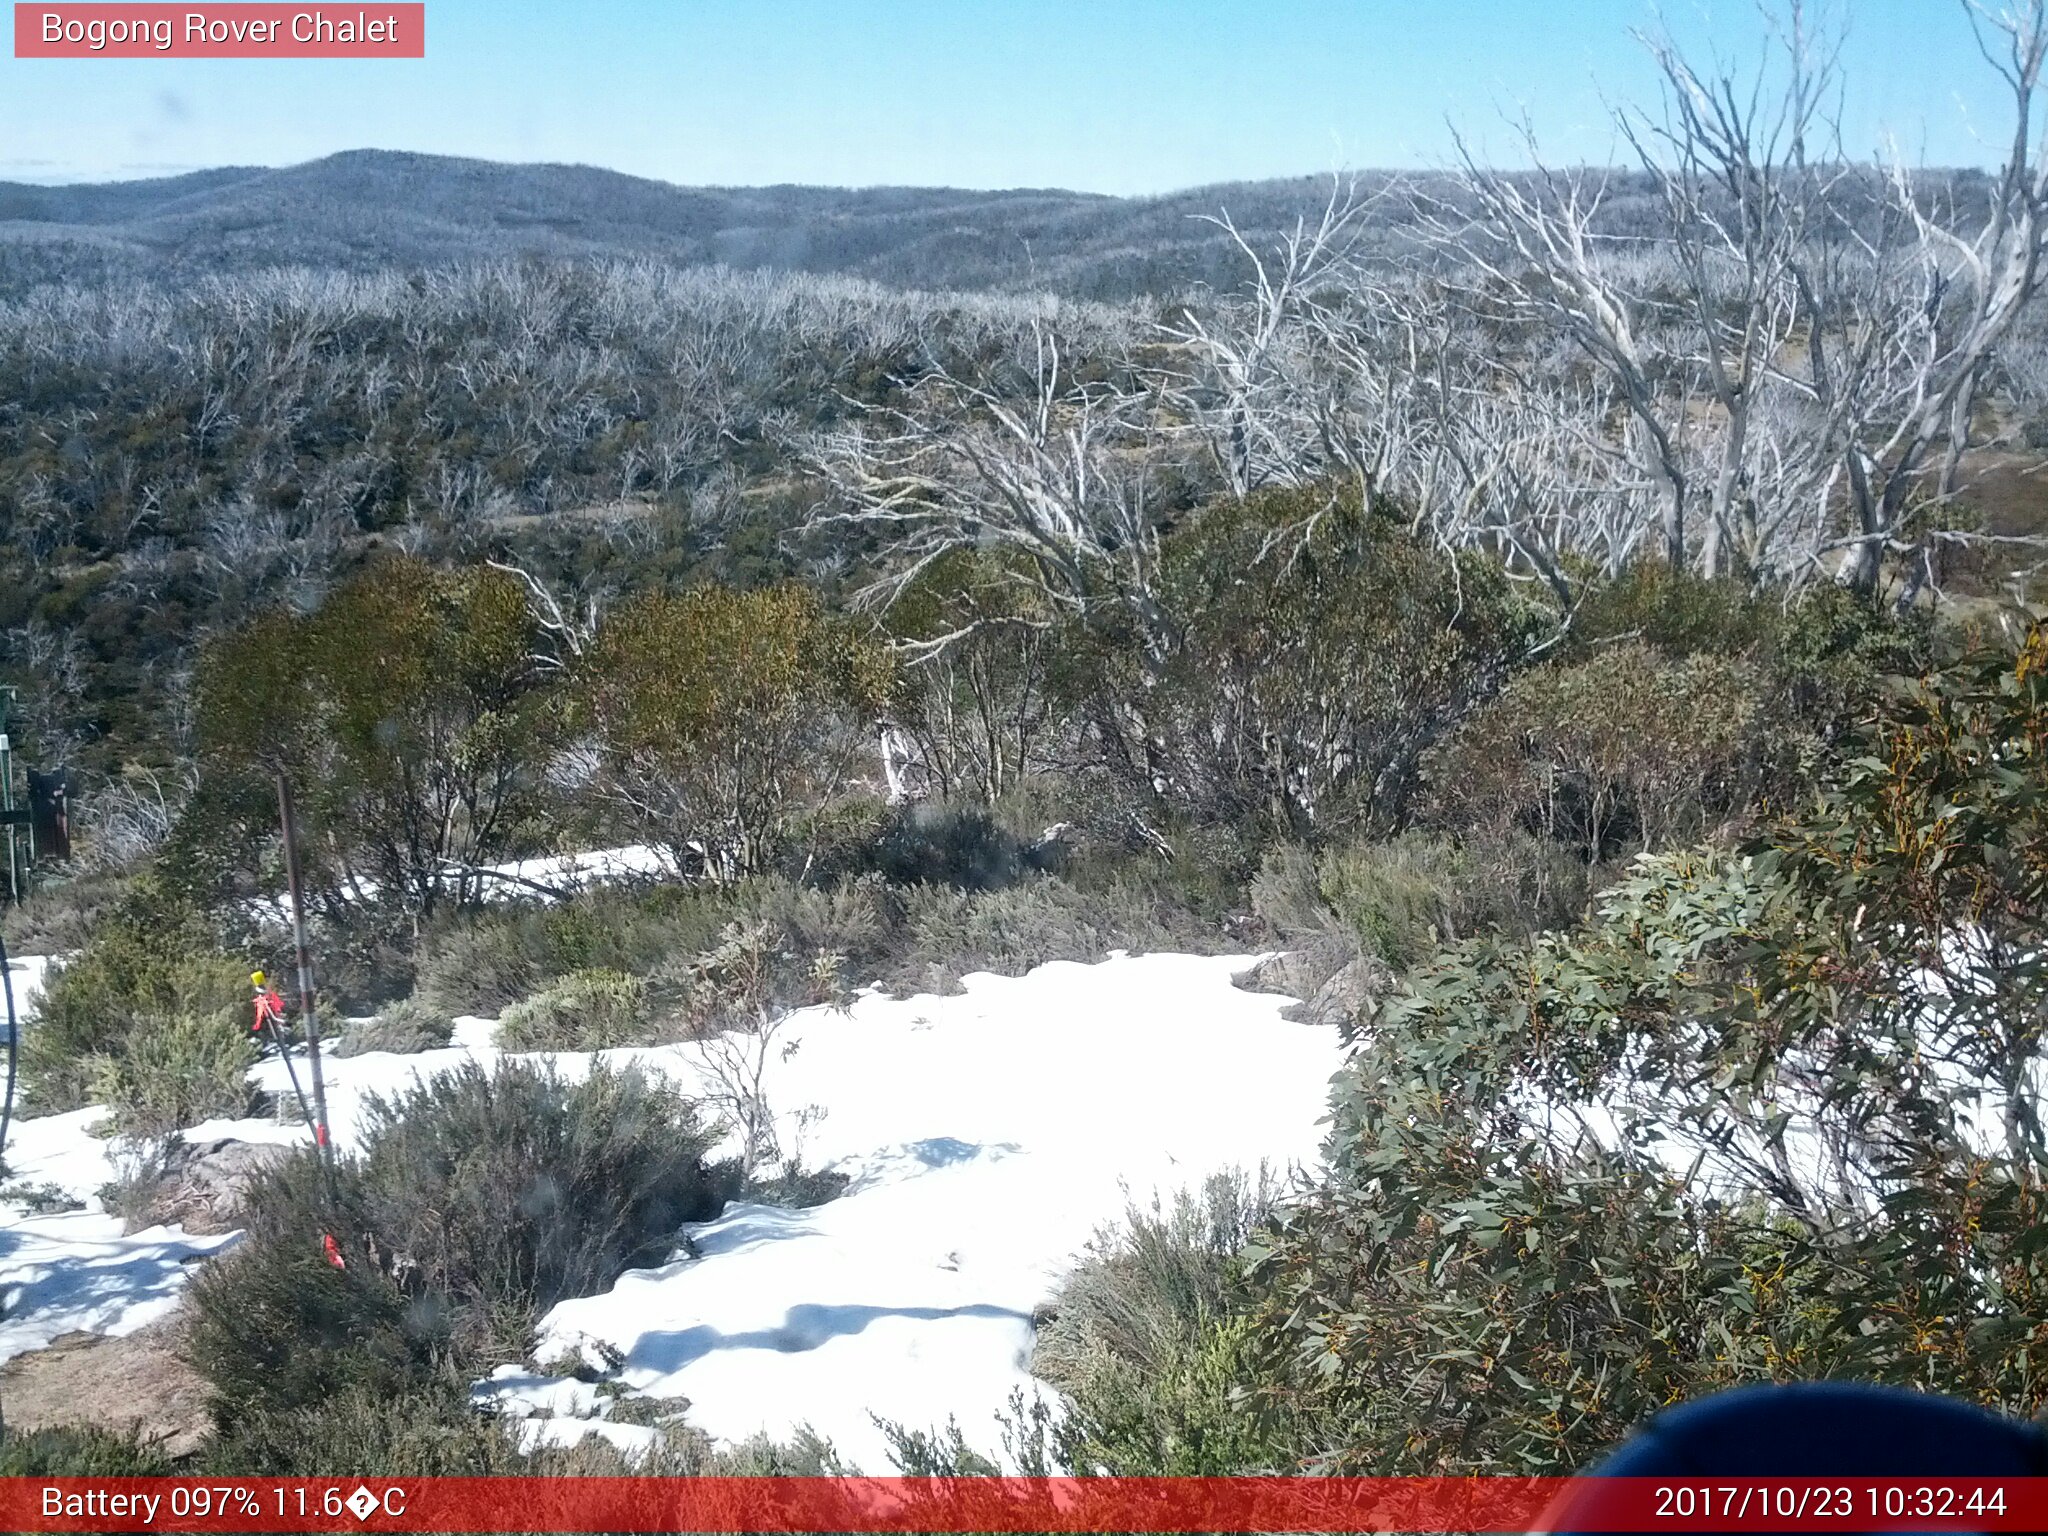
x,y
291,867
7,797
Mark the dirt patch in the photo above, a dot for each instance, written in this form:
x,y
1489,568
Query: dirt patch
x,y
139,1382
2008,495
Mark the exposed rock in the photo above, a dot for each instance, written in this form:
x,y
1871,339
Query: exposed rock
x,y
139,1381
201,1186
1335,987
1348,994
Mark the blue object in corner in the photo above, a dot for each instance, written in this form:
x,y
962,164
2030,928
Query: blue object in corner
x,y
1827,1429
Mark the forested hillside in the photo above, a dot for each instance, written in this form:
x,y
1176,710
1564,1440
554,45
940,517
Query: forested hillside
x,y
374,210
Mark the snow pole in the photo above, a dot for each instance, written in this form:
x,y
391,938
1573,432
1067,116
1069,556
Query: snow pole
x,y
13,1049
289,821
321,1146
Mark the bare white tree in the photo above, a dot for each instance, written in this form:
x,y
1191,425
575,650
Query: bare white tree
x,y
1047,468
1956,300
127,819
568,630
1242,375
1796,343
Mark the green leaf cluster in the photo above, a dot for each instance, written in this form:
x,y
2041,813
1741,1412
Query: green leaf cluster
x,y
1768,1114
1320,650
723,714
411,716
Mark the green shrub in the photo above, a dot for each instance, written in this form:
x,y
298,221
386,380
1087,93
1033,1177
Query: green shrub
x,y
1199,1411
427,1429
518,1188
924,843
1387,906
810,943
1399,899
411,713
1403,897
140,1166
834,841
987,709
478,1200
365,957
44,1199
723,715
608,929
783,946
482,962
794,1186
80,1452
1491,1280
1152,1344
276,1328
1817,660
176,1070
1191,876
856,920
804,1454
1287,895
1319,650
433,1429
1624,750
63,916
405,1027
1829,654
1673,612
592,1010
1145,1282
1515,882
142,965
954,932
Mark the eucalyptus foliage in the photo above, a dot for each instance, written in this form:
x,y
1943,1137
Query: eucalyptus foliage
x,y
1769,1114
719,715
409,712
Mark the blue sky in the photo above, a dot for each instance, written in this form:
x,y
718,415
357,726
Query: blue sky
x,y
1122,96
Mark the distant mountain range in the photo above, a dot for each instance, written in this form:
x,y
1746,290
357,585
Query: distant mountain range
x,y
373,209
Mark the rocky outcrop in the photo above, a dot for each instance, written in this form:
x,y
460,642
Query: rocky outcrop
x,y
201,1186
1336,985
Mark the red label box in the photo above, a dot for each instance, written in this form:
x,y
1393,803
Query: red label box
x,y
881,1506
366,29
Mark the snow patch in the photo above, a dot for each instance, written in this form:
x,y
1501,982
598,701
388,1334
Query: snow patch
x,y
986,1136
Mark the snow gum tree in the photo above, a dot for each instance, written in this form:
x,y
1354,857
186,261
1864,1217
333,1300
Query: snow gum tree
x,y
979,696
1319,648
720,716
1770,1114
412,715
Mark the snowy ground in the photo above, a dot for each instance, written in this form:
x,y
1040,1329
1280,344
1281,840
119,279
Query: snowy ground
x,y
74,1270
548,875
988,1135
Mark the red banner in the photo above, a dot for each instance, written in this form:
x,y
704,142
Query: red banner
x,y
1000,1504
370,30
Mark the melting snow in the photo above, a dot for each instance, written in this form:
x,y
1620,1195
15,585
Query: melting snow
x,y
987,1136
76,1270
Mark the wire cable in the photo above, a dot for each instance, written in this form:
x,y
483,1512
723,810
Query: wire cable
x,y
13,1049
